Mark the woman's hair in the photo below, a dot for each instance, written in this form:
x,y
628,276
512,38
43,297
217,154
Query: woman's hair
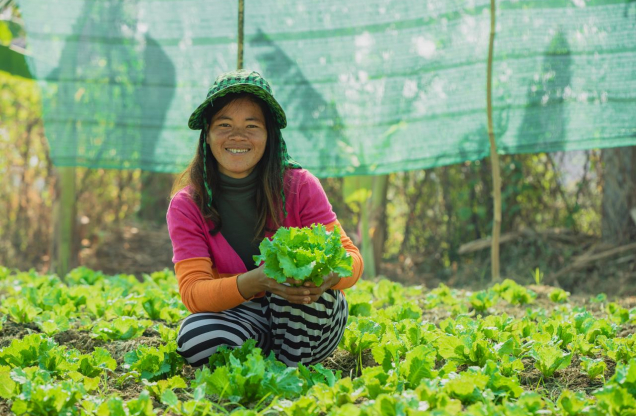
x,y
270,172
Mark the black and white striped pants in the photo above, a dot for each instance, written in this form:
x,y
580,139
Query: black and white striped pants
x,y
296,333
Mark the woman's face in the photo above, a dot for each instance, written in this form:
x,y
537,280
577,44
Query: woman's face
x,y
237,137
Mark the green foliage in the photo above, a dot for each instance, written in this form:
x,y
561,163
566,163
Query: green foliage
x,y
154,363
95,363
464,363
27,351
618,349
161,388
361,334
538,276
306,254
550,358
442,295
251,378
572,404
320,375
559,296
515,294
20,310
418,364
43,400
121,328
617,313
483,300
593,367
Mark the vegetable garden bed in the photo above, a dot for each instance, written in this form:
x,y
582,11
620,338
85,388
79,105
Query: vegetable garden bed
x,y
105,345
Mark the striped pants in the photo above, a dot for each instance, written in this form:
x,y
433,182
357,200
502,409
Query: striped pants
x,y
296,333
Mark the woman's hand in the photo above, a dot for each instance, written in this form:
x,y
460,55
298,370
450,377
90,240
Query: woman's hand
x,y
305,294
315,292
256,281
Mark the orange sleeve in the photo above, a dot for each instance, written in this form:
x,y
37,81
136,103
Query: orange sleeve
x,y
202,289
358,265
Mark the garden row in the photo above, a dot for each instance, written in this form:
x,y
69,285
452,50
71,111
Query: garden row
x,y
106,345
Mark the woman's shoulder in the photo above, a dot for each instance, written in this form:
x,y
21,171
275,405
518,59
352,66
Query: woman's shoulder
x,y
183,199
296,177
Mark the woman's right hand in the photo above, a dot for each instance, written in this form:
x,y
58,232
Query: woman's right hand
x,y
255,281
291,290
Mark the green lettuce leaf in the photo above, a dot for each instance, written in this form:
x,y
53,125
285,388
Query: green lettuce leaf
x,y
305,254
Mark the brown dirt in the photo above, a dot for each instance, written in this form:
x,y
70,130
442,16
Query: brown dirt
x,y
135,248
626,330
5,407
341,360
118,349
79,340
568,378
128,390
12,330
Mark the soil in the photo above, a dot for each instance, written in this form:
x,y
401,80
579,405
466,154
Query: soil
x,y
11,331
81,341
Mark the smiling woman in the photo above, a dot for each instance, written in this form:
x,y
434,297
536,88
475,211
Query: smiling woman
x,y
237,136
242,186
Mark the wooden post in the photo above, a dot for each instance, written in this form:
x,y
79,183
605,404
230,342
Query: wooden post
x,y
358,192
378,217
241,20
66,221
494,158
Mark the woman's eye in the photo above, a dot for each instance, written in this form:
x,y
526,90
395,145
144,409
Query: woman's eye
x,y
224,125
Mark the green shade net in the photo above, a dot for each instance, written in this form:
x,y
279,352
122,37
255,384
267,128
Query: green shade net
x,y
369,87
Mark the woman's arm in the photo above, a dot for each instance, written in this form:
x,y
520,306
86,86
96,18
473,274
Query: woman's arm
x,y
201,287
203,290
358,265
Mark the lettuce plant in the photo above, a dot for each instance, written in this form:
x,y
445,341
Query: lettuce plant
x,y
306,254
550,358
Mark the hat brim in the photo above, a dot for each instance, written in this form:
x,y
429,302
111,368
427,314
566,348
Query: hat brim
x,y
196,119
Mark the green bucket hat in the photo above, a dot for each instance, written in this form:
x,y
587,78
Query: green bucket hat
x,y
241,80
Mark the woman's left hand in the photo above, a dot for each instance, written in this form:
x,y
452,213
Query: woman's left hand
x,y
316,292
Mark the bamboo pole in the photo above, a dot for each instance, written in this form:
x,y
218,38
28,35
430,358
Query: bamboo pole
x,y
241,21
494,158
66,218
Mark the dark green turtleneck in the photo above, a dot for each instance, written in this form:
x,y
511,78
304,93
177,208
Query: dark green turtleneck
x,y
237,208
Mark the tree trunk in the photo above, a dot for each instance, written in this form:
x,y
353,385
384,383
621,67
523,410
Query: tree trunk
x,y
619,195
155,196
378,217
64,248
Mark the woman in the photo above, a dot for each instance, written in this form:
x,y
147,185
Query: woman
x,y
240,188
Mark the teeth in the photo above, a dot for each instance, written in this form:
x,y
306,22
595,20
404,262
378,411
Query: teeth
x,y
238,150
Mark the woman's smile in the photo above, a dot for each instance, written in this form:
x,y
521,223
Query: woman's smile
x,y
238,151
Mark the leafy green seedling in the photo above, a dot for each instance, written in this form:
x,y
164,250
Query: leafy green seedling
x,y
593,367
514,293
20,310
483,300
538,276
600,298
550,358
559,296
121,328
